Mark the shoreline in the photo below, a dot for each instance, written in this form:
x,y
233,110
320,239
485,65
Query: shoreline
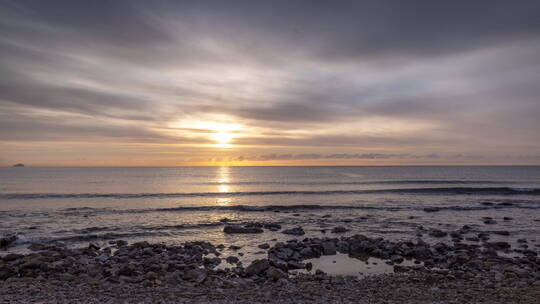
x,y
202,272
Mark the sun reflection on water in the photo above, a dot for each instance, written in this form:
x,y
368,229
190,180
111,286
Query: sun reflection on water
x,y
223,179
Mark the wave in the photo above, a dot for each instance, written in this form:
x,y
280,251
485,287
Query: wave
x,y
419,191
385,182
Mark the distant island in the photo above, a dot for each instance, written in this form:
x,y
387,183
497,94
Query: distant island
x,y
18,165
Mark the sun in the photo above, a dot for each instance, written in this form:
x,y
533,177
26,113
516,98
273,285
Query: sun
x,y
220,133
223,139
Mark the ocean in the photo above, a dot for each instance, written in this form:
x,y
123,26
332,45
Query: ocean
x,y
78,205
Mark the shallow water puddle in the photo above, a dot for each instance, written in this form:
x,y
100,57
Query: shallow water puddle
x,y
343,264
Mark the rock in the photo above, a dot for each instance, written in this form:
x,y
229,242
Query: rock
x,y
7,240
294,231
339,229
121,243
507,218
197,275
295,265
518,240
396,259
272,226
143,244
275,273
264,246
501,232
232,259
320,272
37,247
329,248
432,209
455,234
490,222
235,248
12,257
225,220
257,267
497,245
437,233
239,229
472,239
93,246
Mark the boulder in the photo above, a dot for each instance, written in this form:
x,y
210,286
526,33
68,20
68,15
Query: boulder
x,y
329,248
257,267
7,240
239,229
275,274
339,229
294,231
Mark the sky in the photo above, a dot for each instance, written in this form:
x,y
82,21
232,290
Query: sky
x,y
171,83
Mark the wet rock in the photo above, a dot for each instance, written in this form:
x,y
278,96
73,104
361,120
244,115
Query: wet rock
x,y
197,275
295,265
12,257
396,259
432,209
329,248
93,246
239,229
339,229
497,245
232,259
264,246
272,226
275,274
507,218
7,240
501,232
437,233
257,267
490,221
143,244
294,231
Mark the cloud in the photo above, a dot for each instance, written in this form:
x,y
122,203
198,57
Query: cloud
x,y
390,75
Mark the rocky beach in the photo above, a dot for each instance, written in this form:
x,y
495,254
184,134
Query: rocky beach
x,y
201,272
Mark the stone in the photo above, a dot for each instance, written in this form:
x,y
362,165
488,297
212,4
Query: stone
x,y
339,229
490,222
143,244
257,267
264,246
437,233
7,240
121,243
232,259
197,275
501,232
295,265
37,247
12,257
275,273
396,259
329,248
239,229
294,231
497,245
432,209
